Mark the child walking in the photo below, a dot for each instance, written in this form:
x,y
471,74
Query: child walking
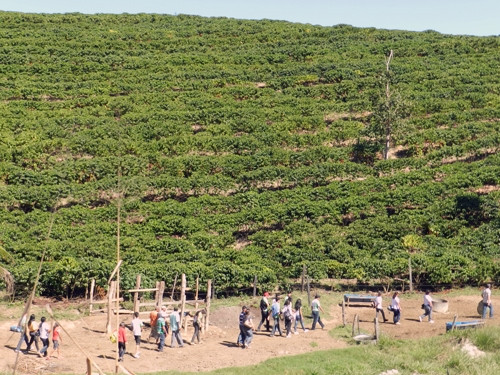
x,y
56,341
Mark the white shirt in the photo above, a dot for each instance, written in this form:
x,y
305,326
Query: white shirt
x,y
395,303
136,326
486,295
378,302
428,300
44,330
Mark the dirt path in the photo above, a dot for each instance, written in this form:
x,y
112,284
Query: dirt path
x,y
218,348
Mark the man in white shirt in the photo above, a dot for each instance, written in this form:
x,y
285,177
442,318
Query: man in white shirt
x,y
378,306
487,301
427,307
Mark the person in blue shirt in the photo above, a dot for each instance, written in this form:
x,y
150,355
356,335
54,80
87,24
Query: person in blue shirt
x,y
175,320
275,311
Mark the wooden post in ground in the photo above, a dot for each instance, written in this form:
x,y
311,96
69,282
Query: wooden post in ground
x,y
89,367
376,330
183,302
209,293
92,286
410,274
356,317
111,296
160,292
173,288
255,286
308,291
196,293
343,312
157,294
303,278
136,294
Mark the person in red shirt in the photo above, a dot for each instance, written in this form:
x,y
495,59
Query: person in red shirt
x,y
56,340
122,340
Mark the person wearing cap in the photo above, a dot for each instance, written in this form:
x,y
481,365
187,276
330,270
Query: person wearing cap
x,y
315,309
264,311
487,301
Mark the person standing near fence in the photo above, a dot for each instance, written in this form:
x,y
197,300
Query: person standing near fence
x,y
487,301
197,320
122,341
175,321
315,309
161,331
137,330
427,306
153,318
264,312
396,307
378,306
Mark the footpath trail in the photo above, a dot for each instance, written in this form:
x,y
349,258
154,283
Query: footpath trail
x,y
218,349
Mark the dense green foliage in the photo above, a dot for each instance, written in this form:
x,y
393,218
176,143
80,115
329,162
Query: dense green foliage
x,y
244,148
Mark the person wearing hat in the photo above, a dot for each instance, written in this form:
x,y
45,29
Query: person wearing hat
x,y
315,309
487,301
264,311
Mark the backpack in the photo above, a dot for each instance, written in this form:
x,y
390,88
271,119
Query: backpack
x,y
287,314
263,304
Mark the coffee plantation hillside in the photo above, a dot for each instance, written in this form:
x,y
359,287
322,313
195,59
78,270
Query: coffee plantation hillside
x,y
244,148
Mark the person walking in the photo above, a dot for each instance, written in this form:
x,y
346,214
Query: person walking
x,y
137,330
161,331
23,329
33,333
378,306
44,330
122,341
264,312
197,320
396,308
299,316
487,301
315,309
288,315
56,341
153,317
275,311
248,327
240,341
175,321
427,306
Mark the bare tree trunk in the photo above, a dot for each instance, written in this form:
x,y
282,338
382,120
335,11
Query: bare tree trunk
x,y
388,122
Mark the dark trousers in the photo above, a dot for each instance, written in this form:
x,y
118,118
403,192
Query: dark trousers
x,y
380,311
397,315
45,343
265,319
196,334
121,349
288,326
33,339
316,319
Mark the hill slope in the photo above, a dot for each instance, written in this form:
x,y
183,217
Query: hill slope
x,y
243,148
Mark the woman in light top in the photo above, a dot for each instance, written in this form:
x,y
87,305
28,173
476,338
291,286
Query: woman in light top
x,y
427,306
396,308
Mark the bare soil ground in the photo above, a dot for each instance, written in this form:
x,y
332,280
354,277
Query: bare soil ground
x,y
218,348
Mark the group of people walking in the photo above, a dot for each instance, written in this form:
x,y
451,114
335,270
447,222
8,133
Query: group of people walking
x,y
290,314
427,306
32,333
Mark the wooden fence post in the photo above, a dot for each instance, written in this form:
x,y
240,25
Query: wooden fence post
x,y
136,294
92,286
308,291
183,302
343,312
209,293
255,286
410,274
161,290
111,296
303,277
